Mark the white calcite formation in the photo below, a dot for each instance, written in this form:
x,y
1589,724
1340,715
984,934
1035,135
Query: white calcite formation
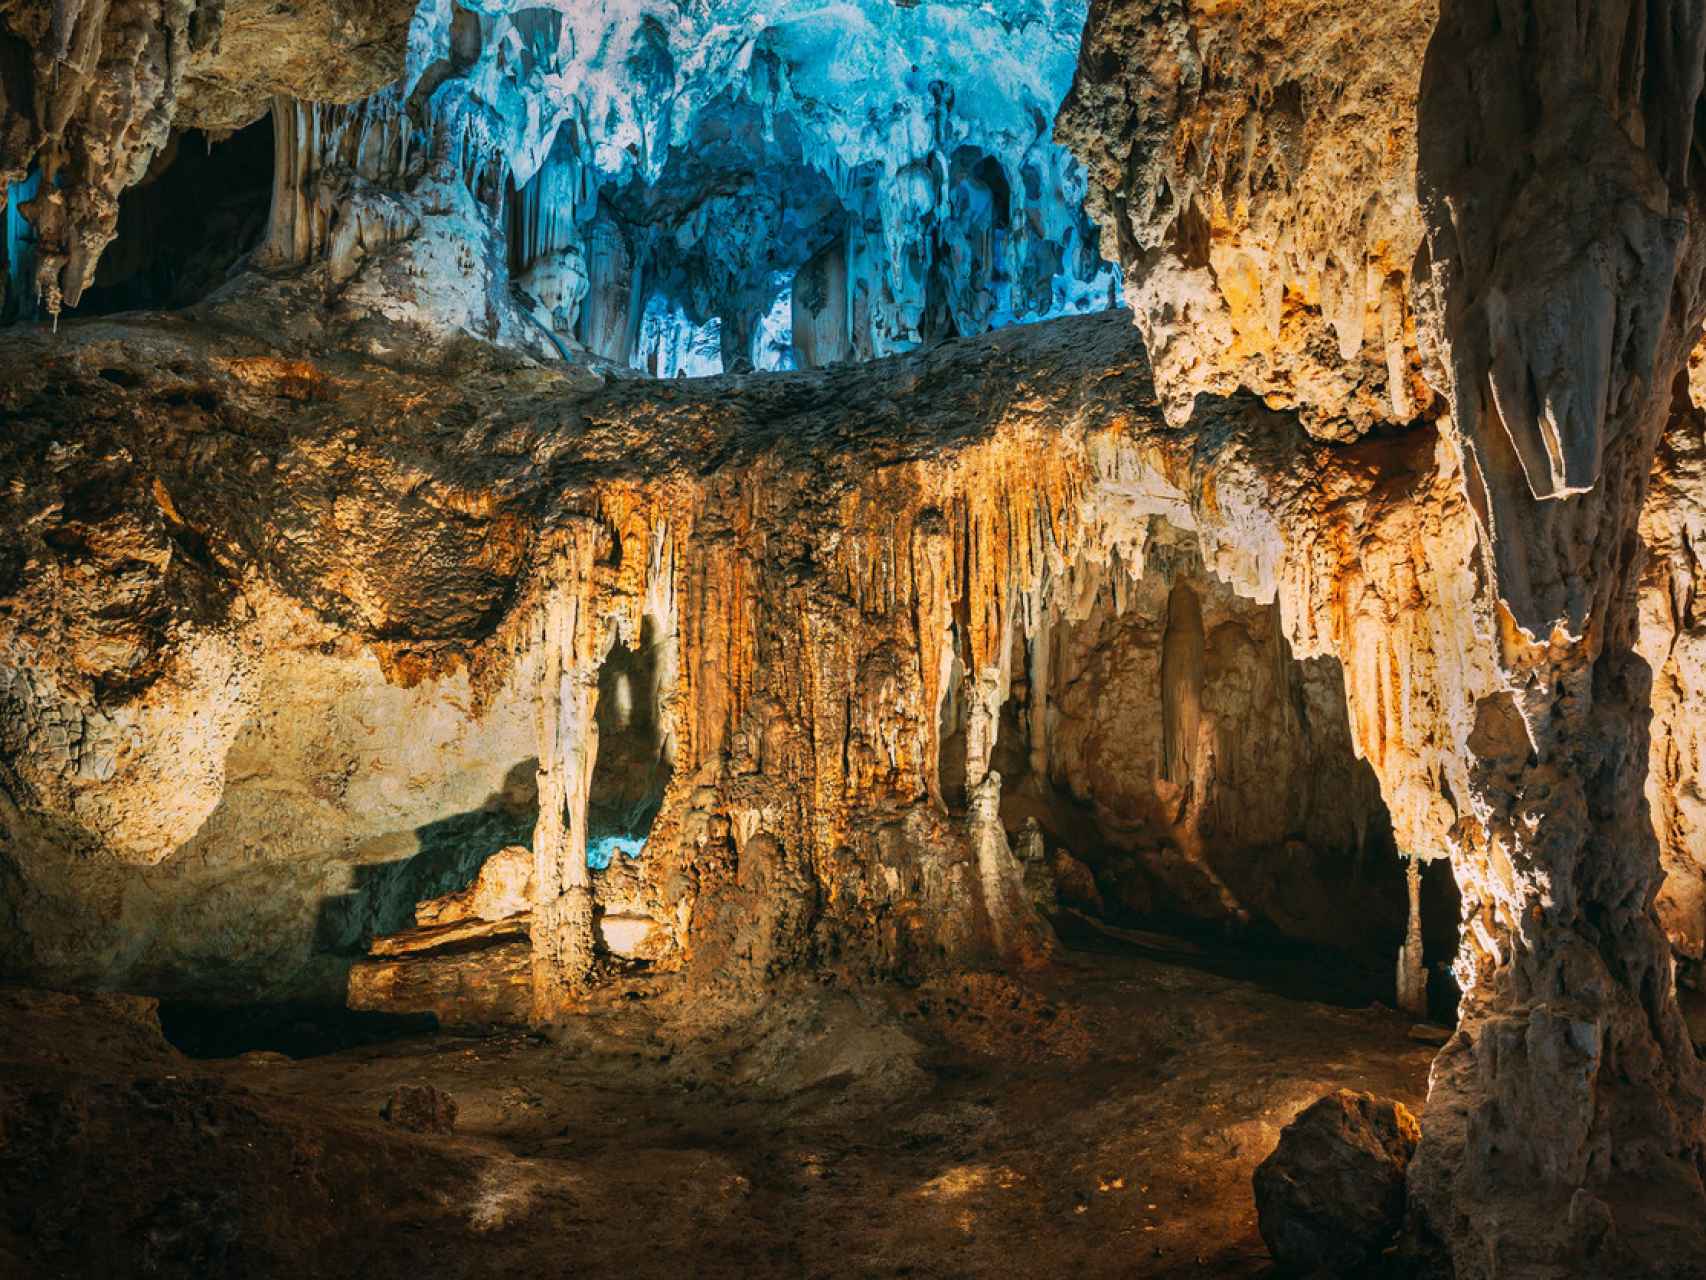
x,y
733,143
639,181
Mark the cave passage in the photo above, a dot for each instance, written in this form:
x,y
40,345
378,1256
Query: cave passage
x,y
183,230
1196,782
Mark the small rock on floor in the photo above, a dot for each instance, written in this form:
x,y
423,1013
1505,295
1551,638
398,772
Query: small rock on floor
x,y
420,1108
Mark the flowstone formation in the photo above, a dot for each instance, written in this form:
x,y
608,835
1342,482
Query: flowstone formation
x,y
1390,222
826,703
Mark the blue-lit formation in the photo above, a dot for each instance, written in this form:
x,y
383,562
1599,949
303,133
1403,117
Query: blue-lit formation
x,y
694,189
794,183
17,288
601,852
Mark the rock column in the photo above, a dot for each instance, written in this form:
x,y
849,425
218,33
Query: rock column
x,y
562,927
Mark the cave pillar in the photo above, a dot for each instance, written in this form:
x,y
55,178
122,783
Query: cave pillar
x,y
1015,932
1571,1078
931,561
562,920
609,314
290,238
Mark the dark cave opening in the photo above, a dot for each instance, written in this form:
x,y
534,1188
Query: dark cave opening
x,y
1197,782
630,774
296,1029
201,209
633,764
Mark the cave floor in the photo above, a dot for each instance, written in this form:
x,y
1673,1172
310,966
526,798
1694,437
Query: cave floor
x,y
1100,1117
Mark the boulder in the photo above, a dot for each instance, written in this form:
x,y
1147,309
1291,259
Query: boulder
x,y
503,887
1331,1196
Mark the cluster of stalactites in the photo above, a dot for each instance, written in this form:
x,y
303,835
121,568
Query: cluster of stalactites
x,y
972,254
689,201
101,85
349,180
333,167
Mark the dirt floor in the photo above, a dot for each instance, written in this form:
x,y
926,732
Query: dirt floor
x,y
1098,1118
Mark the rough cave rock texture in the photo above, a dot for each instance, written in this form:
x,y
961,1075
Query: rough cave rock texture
x,y
296,643
1254,165
93,92
1484,214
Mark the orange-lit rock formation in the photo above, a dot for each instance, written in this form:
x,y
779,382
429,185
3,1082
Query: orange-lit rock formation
x,y
837,573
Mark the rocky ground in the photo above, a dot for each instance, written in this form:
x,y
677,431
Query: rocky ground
x,y
1101,1117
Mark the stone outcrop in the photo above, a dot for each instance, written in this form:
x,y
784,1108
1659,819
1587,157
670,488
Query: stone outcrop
x,y
1330,1198
1245,155
466,975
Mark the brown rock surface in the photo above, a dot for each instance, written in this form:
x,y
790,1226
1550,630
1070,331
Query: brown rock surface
x,y
465,978
420,1108
1021,1127
1330,1198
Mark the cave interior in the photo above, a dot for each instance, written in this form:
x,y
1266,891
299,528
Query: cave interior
x,y
902,638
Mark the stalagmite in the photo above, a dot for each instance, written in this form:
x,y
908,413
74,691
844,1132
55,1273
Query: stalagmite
x,y
609,314
1412,971
1181,694
562,929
